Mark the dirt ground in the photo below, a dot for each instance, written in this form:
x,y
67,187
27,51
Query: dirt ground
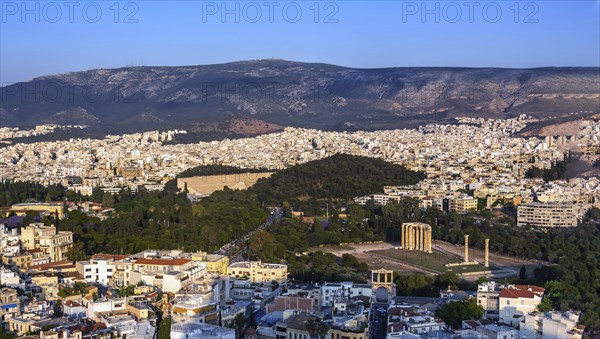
x,y
503,266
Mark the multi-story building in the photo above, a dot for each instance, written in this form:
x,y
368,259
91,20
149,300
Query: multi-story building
x,y
332,291
506,303
357,327
309,291
518,300
258,272
10,305
169,270
547,215
9,278
168,274
551,325
96,270
122,270
195,306
463,204
162,265
9,241
293,327
197,329
23,261
422,323
300,304
53,244
488,297
215,263
495,331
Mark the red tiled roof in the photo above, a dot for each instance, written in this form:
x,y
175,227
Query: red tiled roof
x,y
57,264
522,291
533,288
71,303
163,262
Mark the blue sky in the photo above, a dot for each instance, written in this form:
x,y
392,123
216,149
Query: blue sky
x,y
39,38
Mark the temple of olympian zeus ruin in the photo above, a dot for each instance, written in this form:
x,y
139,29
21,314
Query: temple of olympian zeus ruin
x,y
416,236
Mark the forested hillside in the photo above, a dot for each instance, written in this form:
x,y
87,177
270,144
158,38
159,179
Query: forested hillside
x,y
340,176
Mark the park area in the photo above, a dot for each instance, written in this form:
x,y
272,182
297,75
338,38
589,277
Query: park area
x,y
388,256
434,262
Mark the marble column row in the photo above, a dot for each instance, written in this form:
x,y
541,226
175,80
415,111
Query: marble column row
x,y
416,237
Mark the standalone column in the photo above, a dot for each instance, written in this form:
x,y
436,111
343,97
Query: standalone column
x,y
429,240
402,240
466,248
487,252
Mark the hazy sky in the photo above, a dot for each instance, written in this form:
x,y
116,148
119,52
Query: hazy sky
x,y
39,38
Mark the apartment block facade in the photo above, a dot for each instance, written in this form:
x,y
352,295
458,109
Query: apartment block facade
x,y
547,215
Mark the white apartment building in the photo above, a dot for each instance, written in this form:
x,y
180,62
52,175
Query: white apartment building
x,y
10,243
347,290
96,308
199,330
10,278
175,281
494,331
551,325
488,297
518,300
422,323
547,214
96,270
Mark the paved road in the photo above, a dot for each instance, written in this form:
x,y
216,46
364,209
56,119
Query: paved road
x,y
378,320
235,249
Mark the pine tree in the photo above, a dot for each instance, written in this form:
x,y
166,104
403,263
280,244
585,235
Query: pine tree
x,y
523,273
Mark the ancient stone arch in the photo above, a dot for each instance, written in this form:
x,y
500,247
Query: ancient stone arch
x,y
383,278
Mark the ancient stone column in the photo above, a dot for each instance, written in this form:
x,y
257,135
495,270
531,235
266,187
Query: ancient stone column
x,y
402,240
421,238
428,247
466,248
487,252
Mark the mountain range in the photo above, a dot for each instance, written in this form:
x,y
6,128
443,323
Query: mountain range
x,y
252,97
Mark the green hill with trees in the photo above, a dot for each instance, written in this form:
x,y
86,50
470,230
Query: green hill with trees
x,y
340,176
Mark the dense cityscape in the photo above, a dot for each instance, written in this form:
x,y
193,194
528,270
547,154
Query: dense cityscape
x,y
58,286
300,169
